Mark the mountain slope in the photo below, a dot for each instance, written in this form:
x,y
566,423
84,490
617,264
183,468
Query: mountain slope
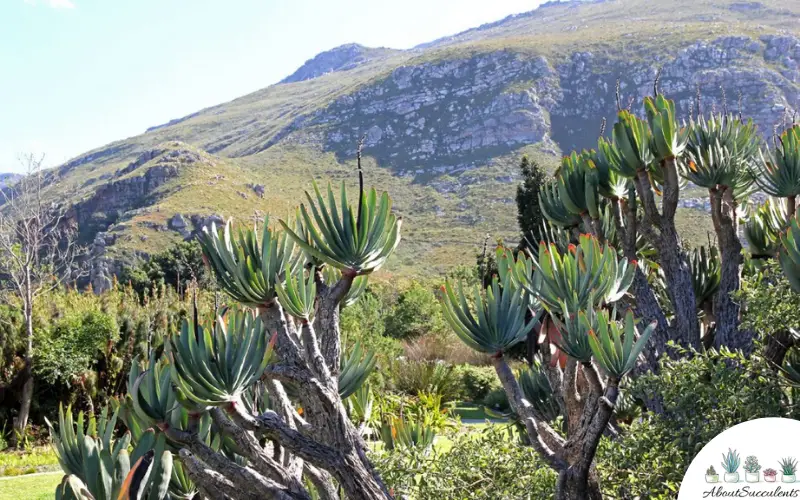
x,y
445,123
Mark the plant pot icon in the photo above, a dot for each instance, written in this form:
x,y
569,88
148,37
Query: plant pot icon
x,y
789,478
712,478
731,477
751,477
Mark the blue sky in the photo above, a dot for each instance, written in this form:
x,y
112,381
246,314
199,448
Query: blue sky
x,y
77,74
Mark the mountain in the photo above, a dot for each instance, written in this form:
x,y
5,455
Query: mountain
x,y
8,179
444,123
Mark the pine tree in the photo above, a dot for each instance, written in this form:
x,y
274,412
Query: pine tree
x,y
529,213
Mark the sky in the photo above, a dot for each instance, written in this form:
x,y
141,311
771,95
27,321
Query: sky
x,y
78,74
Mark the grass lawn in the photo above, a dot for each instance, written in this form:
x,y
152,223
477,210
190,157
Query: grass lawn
x,y
32,487
38,459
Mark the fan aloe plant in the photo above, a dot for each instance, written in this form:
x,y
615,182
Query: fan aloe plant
x,y
214,365
616,347
721,152
593,340
355,370
705,273
357,242
554,208
667,140
245,266
789,255
399,432
582,277
250,399
631,151
98,467
499,322
537,389
779,172
763,227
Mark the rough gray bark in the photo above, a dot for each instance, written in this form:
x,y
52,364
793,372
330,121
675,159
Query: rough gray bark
x,y
589,407
726,310
645,304
321,445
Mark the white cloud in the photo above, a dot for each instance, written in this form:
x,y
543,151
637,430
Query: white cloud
x,y
55,4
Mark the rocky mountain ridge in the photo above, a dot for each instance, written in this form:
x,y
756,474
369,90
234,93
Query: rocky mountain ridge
x,y
444,124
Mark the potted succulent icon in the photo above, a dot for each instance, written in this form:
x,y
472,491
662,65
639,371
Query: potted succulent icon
x,y
751,468
770,475
711,475
788,469
730,464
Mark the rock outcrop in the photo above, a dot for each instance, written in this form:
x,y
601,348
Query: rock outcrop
x,y
341,58
448,116
133,187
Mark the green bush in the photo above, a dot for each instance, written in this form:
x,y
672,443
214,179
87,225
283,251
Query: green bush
x,y
769,304
364,321
416,313
496,400
430,377
477,382
73,343
480,465
701,396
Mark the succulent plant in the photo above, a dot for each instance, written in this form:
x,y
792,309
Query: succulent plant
x,y
360,405
770,473
574,333
751,464
667,139
578,184
247,267
357,242
298,293
355,370
554,208
788,466
357,289
583,276
711,471
398,432
720,152
612,184
97,466
706,273
537,390
731,461
763,227
214,365
789,254
499,321
778,173
613,344
631,150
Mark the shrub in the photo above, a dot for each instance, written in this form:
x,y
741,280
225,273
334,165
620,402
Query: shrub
x,y
477,382
496,400
701,397
414,377
73,345
480,465
363,322
442,347
416,313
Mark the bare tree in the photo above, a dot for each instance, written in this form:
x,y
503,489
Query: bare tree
x,y
37,253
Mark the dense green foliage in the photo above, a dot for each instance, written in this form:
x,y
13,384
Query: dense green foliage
x,y
86,344
176,266
529,212
701,397
479,465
